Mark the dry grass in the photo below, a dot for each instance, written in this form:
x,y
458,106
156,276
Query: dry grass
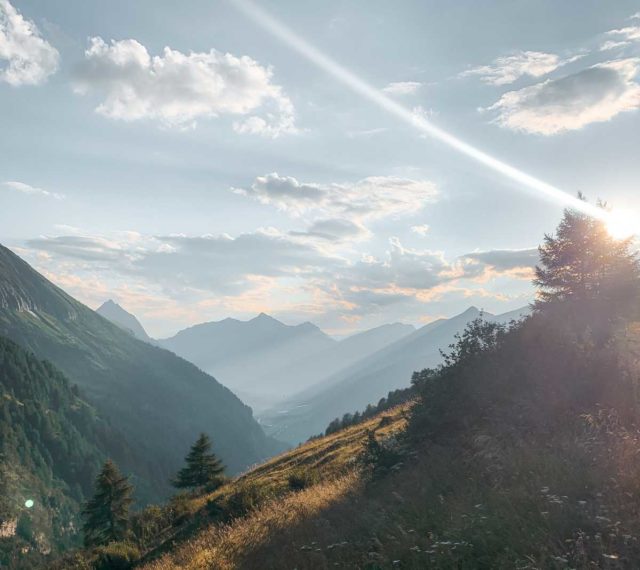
x,y
225,547
334,459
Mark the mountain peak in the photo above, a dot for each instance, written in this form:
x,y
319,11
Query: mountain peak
x,y
113,312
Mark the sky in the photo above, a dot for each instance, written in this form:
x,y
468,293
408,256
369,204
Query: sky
x,y
185,161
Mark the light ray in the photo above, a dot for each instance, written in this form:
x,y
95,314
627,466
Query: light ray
x,y
288,36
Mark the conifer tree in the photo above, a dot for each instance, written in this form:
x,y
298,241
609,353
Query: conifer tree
x,y
106,515
583,262
202,468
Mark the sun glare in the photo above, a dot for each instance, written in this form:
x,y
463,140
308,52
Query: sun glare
x,y
621,224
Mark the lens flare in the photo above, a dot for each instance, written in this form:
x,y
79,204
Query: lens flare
x,y
356,84
28,503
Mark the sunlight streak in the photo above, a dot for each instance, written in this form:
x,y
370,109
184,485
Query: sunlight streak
x,y
288,36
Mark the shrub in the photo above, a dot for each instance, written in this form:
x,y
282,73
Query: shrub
x,y
116,556
301,478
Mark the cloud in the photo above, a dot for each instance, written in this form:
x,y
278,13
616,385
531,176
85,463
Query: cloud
x,y
594,94
27,189
177,89
515,262
420,230
335,230
402,87
221,263
622,37
371,198
25,57
507,69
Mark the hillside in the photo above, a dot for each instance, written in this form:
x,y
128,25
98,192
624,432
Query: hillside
x,y
52,444
158,400
369,379
118,316
534,467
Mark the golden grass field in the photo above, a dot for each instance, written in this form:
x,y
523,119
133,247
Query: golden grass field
x,y
335,461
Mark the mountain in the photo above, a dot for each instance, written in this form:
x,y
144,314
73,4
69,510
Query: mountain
x,y
118,316
52,444
248,356
369,379
160,401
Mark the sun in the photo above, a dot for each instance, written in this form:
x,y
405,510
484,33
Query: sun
x,y
621,224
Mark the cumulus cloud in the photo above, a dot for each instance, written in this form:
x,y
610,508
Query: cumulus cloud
x,y
594,94
25,57
177,89
350,205
27,189
402,87
507,69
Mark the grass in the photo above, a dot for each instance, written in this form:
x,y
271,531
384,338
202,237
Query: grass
x,y
334,462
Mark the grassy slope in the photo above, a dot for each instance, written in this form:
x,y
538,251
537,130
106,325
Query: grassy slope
x,y
333,458
490,496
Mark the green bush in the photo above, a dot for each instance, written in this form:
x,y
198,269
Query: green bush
x,y
116,556
301,478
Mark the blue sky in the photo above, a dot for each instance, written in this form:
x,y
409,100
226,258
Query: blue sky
x,y
184,161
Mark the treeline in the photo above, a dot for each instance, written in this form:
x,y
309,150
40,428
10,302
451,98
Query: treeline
x,y
52,444
393,399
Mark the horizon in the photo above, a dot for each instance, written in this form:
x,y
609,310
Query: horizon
x,y
156,179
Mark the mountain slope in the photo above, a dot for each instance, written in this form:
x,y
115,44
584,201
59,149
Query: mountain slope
x,y
118,316
52,444
247,356
159,400
369,379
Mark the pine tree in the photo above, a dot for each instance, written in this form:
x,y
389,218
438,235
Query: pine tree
x,y
583,262
203,468
106,515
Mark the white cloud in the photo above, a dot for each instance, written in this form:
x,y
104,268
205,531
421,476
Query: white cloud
x,y
371,198
594,94
507,69
420,230
27,189
177,88
622,37
335,229
402,87
25,58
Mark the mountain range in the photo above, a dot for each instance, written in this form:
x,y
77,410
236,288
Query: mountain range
x,y
160,401
369,379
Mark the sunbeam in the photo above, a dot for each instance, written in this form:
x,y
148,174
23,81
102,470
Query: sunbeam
x,y
356,84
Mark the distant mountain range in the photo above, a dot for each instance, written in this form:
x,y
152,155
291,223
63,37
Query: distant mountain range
x,y
265,361
158,400
368,379
117,315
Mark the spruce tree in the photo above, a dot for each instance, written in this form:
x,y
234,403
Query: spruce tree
x,y
584,263
106,515
202,468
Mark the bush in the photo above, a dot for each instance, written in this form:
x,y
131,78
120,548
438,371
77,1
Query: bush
x,y
116,556
300,479
246,498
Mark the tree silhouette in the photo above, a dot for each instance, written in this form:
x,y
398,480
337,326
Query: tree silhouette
x,y
203,468
583,262
106,515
